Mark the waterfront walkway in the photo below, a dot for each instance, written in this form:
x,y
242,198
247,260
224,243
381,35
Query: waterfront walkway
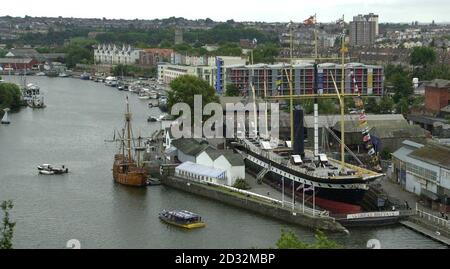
x,y
425,220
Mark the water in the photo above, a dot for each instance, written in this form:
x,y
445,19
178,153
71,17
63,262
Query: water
x,y
86,205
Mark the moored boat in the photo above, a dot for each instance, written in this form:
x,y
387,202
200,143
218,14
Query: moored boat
x,y
127,170
48,169
182,218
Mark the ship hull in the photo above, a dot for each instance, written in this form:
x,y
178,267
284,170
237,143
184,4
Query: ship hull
x,y
343,200
129,174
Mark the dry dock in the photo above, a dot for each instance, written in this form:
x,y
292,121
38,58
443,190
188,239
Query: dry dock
x,y
257,203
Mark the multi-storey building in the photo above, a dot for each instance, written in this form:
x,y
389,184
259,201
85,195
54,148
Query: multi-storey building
x,y
112,54
153,56
364,30
274,79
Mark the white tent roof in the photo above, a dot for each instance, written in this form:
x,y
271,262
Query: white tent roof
x,y
201,170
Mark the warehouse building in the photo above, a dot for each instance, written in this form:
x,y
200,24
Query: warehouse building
x,y
424,170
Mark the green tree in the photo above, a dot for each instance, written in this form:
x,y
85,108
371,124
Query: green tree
x,y
2,53
402,86
242,184
79,51
185,87
371,105
289,240
9,96
7,228
266,53
422,56
386,105
232,90
402,106
228,49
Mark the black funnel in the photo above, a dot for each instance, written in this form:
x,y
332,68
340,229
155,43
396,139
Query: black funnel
x,y
299,132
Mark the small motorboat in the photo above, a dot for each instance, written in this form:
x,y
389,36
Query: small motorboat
x,y
48,169
182,218
153,182
46,172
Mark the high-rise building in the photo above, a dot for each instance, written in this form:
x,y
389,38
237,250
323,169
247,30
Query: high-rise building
x,y
364,30
178,36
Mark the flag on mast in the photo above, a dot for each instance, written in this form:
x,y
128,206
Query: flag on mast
x,y
310,21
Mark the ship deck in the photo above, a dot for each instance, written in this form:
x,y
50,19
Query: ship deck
x,y
330,169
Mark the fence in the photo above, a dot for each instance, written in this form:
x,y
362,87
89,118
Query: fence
x,y
432,218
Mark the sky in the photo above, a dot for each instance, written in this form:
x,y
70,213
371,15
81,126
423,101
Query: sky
x,y
239,10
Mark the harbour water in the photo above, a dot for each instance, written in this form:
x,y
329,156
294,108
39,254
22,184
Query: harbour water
x,y
86,205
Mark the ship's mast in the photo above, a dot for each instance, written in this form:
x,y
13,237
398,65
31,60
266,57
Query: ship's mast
x,y
342,99
128,126
291,92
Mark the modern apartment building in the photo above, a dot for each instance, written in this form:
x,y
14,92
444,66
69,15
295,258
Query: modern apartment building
x,y
274,79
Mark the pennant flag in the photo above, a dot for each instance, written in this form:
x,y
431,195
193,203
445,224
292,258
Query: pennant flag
x,y
310,21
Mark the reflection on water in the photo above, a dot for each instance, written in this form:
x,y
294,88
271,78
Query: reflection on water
x,y
87,205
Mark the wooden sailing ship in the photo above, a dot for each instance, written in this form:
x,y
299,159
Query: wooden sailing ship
x,y
127,170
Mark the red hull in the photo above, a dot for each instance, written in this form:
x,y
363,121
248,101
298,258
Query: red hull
x,y
338,207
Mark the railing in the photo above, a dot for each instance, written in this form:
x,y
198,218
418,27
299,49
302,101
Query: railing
x,y
298,208
432,218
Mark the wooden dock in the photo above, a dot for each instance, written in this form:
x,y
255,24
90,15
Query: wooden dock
x,y
431,234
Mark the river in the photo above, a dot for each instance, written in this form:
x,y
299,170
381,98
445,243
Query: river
x,y
88,206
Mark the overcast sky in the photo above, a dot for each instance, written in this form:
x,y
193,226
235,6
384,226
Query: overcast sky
x,y
239,10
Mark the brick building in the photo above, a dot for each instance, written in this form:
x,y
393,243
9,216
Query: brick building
x,y
152,56
437,95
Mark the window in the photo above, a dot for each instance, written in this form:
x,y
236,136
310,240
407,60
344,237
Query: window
x,y
421,172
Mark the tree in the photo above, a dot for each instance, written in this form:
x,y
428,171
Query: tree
x,y
185,87
386,105
9,96
422,56
241,184
402,106
228,49
289,240
266,53
7,228
372,106
232,90
402,86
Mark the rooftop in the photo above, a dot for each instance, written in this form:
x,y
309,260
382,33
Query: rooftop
x,y
201,170
439,83
433,153
233,158
190,146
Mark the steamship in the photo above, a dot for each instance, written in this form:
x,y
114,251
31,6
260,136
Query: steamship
x,y
334,185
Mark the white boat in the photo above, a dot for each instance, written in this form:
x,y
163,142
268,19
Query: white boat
x,y
63,75
46,172
5,119
48,169
41,74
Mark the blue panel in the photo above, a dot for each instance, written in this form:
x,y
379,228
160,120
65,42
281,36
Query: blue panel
x,y
219,75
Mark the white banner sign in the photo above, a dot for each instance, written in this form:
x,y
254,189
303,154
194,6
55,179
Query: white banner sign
x,y
374,215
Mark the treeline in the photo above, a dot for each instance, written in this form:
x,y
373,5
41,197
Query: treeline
x,y
52,38
133,71
164,37
9,97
